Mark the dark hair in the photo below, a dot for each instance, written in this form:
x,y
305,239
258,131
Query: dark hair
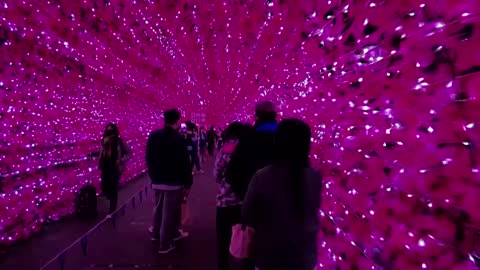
x,y
172,116
191,126
114,131
212,127
247,138
265,112
292,147
233,131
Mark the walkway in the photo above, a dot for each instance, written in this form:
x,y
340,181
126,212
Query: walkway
x,y
125,244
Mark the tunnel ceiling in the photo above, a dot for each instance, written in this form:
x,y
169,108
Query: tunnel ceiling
x,y
390,89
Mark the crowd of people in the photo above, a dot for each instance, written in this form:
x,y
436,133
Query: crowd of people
x,y
264,179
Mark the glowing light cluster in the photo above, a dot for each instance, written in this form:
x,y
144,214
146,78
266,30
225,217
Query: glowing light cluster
x,y
390,89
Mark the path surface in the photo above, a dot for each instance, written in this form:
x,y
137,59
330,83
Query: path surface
x,y
125,244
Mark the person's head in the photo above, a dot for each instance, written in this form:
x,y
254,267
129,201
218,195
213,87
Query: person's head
x,y
265,112
212,128
292,142
172,118
191,126
111,130
233,131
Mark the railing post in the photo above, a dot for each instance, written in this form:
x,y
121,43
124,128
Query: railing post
x,y
84,245
61,260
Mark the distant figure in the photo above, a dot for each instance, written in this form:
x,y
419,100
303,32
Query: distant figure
x,y
202,144
169,169
282,204
255,153
112,161
220,139
228,206
192,146
212,137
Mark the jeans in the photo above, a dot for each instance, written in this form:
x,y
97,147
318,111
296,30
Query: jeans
x,y
195,161
167,215
203,150
226,218
109,186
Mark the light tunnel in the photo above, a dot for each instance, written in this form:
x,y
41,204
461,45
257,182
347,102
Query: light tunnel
x,y
390,89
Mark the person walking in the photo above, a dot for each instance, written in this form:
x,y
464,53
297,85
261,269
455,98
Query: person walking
x,y
202,143
212,138
169,169
192,147
282,204
228,206
113,155
255,153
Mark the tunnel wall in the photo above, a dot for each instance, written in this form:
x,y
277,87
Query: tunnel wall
x,y
390,89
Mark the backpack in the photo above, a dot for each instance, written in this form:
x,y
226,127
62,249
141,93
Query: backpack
x,y
86,202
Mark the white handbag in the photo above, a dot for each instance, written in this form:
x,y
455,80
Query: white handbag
x,y
241,243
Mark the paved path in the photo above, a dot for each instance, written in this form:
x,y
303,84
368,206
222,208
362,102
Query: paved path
x,y
125,243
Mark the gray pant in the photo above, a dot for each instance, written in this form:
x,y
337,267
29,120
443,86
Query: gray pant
x,y
167,215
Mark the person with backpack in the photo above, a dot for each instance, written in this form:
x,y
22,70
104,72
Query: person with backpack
x,y
169,169
282,203
228,206
113,155
253,153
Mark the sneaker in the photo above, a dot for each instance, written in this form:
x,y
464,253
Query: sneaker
x,y
154,238
181,235
166,250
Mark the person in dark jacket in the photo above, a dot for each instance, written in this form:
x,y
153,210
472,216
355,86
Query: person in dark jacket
x,y
202,143
112,159
192,147
282,203
169,169
255,152
212,138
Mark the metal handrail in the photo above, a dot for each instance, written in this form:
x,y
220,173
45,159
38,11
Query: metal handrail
x,y
56,257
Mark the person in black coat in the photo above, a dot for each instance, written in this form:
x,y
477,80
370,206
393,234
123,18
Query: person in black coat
x,y
169,169
212,138
111,164
202,143
255,151
192,146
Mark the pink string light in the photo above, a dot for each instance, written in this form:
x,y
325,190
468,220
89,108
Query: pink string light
x,y
390,89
